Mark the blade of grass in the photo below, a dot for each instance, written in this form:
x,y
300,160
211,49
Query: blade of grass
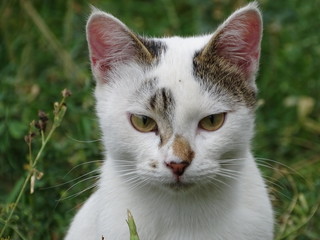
x,y
132,227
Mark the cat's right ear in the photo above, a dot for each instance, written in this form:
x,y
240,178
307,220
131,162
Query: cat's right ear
x,y
110,43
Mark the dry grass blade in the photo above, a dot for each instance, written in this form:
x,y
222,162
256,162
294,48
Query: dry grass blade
x,y
70,68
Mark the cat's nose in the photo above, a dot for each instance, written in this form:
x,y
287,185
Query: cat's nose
x,y
178,168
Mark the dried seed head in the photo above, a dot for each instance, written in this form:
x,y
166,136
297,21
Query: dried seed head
x,y
56,107
66,93
28,138
39,175
43,116
41,125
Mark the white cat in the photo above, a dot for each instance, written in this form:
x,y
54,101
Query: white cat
x,y
177,116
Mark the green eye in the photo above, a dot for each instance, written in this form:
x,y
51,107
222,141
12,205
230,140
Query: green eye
x,y
143,123
212,122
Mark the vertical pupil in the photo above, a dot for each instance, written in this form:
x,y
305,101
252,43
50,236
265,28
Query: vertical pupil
x,y
211,118
144,120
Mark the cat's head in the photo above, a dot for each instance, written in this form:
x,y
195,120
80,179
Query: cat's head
x,y
176,112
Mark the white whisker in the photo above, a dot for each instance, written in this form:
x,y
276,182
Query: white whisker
x,y
84,141
72,180
77,194
81,164
95,177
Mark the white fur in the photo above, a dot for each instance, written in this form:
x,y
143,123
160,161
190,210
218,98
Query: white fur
x,y
234,207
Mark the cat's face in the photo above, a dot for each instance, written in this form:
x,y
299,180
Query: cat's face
x,y
176,113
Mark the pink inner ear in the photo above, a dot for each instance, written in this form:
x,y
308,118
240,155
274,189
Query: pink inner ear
x,y
239,40
108,41
97,39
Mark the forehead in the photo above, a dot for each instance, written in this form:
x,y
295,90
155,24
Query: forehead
x,y
181,69
175,66
175,71
179,79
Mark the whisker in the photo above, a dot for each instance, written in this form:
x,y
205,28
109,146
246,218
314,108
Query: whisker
x,y
85,179
228,175
227,160
283,174
281,164
84,141
72,180
214,179
78,193
81,164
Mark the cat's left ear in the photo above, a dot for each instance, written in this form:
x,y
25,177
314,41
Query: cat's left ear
x,y
238,40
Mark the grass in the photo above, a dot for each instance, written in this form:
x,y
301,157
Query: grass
x,y
43,50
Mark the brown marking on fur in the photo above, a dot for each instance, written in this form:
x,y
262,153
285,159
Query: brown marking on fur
x,y
153,164
162,102
216,71
142,53
152,102
182,149
155,47
147,50
165,99
165,134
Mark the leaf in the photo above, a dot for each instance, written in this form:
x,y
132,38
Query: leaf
x,y
16,129
132,227
15,190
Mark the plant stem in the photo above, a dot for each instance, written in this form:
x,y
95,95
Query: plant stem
x,y
58,117
15,204
30,154
42,136
44,143
14,229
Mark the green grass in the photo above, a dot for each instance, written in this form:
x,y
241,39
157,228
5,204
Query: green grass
x,y
43,50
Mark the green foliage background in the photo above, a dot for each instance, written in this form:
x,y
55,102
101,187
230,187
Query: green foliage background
x,y
43,50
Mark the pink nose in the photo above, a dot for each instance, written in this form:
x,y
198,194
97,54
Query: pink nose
x,y
178,168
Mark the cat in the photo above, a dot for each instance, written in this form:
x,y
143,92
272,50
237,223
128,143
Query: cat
x,y
177,117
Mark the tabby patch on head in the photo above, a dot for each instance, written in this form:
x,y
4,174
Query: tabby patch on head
x,y
230,60
162,102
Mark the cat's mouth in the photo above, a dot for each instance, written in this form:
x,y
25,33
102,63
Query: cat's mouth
x,y
179,186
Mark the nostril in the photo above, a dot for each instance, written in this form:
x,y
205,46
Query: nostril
x,y
178,168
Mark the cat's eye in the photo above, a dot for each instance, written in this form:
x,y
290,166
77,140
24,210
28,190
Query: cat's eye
x,y
212,122
143,123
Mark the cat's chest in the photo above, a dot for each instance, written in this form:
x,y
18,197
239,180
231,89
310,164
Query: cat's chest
x,y
194,228
162,218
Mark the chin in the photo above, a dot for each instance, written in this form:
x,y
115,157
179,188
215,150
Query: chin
x,y
175,185
179,187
